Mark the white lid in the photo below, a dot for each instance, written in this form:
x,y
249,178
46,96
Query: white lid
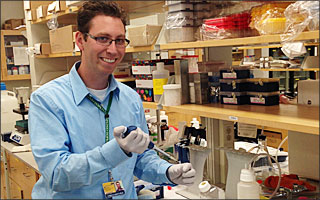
x,y
247,175
171,86
160,65
191,84
162,112
194,119
148,116
204,186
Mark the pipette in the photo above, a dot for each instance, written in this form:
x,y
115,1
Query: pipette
x,y
151,144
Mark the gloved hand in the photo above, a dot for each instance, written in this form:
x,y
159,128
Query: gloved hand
x,y
136,142
182,174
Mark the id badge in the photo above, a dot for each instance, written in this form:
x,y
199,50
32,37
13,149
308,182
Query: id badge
x,y
113,188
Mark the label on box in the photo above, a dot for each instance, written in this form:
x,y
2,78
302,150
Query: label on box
x,y
158,85
229,75
230,100
142,69
144,84
258,100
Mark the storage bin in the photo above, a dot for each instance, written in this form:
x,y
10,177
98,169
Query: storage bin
x,y
236,85
181,34
236,98
143,35
235,72
263,84
172,94
181,6
264,98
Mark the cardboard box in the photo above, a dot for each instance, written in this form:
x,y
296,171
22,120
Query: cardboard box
x,y
14,22
61,39
42,11
156,19
143,35
42,48
61,6
31,15
6,26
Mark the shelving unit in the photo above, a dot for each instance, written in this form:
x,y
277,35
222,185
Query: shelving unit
x,y
5,34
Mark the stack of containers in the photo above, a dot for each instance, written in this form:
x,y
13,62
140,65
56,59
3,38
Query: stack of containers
x,y
233,84
142,70
263,91
201,11
236,87
231,26
180,22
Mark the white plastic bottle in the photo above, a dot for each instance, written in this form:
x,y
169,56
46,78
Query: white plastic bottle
x,y
8,103
248,188
159,78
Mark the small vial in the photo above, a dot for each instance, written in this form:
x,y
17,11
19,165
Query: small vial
x,y
261,63
266,63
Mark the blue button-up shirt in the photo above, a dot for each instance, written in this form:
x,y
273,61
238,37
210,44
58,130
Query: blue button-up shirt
x,y
68,141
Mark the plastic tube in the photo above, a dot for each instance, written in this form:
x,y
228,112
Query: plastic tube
x,y
281,143
270,157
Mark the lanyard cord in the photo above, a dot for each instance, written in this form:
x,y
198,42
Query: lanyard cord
x,y
106,112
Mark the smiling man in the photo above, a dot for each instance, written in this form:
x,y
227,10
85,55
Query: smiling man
x,y
76,121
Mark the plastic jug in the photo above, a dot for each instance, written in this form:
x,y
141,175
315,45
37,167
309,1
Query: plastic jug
x,y
8,103
159,78
248,188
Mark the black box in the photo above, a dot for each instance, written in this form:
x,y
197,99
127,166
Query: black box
x,y
263,84
264,98
236,98
234,85
235,72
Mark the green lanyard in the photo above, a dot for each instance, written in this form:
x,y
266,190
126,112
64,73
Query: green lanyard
x,y
106,112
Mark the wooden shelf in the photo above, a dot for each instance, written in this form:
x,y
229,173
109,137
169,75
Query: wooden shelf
x,y
59,55
301,118
17,77
238,41
65,14
291,70
140,49
12,32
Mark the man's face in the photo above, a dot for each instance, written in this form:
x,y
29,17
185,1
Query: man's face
x,y
118,185
104,59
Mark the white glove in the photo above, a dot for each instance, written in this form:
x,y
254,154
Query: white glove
x,y
136,142
182,174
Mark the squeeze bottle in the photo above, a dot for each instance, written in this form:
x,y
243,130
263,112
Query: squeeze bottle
x,y
159,78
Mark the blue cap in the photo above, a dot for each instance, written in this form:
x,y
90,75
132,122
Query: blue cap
x,y
3,86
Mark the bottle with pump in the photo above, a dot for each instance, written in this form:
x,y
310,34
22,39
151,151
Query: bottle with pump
x,y
159,78
248,188
164,116
195,123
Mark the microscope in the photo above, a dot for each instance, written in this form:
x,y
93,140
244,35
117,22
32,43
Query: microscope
x,y
21,135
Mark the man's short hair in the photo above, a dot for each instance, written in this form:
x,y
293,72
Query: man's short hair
x,y
90,9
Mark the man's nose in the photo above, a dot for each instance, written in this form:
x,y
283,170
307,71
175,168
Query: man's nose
x,y
112,48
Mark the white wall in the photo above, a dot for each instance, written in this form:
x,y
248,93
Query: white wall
x,y
11,10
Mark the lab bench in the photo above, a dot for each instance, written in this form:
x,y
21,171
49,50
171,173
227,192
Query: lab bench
x,y
19,173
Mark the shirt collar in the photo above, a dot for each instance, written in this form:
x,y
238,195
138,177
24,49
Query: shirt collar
x,y
80,90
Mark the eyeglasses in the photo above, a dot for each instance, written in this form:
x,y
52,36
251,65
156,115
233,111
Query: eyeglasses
x,y
105,41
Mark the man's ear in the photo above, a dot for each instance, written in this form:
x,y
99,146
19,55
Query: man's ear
x,y
79,40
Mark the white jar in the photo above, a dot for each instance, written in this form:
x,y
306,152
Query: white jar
x,y
21,69
15,71
172,94
248,188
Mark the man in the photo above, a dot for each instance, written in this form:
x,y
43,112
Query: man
x,y
118,186
76,121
